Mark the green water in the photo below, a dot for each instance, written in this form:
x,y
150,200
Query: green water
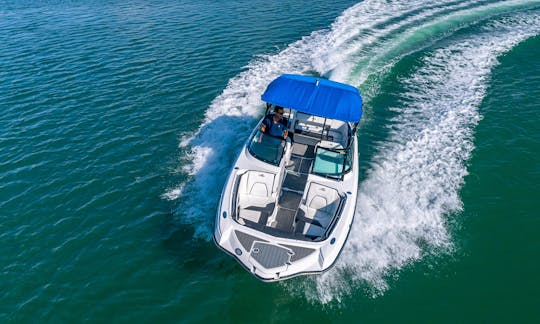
x,y
501,207
121,120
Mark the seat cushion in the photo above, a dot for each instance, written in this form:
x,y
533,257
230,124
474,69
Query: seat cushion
x,y
320,205
250,215
255,189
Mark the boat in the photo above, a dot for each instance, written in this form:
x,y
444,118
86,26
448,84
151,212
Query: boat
x,y
288,204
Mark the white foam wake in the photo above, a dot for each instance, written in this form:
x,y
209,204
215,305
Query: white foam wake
x,y
232,114
373,51
414,181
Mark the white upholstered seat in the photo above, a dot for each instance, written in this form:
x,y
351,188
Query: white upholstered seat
x,y
321,204
254,193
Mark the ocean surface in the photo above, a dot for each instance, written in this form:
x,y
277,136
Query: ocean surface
x,y
120,120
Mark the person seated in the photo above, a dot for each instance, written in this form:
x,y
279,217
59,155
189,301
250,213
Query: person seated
x,y
275,124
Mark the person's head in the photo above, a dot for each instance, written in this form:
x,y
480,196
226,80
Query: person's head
x,y
278,111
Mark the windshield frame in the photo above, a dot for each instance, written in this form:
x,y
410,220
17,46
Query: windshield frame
x,y
346,165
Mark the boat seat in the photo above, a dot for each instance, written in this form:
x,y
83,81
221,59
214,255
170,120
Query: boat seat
x,y
320,206
339,132
330,145
255,198
255,214
311,124
311,127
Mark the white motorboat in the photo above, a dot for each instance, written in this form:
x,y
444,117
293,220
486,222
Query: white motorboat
x,y
288,204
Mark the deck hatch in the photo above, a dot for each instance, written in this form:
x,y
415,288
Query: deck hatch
x,y
270,256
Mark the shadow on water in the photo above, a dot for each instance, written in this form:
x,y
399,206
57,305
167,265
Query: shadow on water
x,y
191,254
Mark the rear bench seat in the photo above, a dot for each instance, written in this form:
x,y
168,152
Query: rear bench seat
x,y
311,124
333,130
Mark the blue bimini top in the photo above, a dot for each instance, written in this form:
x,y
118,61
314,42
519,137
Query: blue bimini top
x,y
315,96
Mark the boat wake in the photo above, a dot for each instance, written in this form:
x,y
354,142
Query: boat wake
x,y
413,182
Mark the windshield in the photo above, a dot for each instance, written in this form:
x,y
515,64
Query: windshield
x,y
267,148
332,163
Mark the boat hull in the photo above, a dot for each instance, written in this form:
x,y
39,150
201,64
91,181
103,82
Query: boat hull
x,y
304,257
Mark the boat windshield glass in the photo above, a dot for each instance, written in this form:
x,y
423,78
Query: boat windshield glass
x,y
332,163
267,148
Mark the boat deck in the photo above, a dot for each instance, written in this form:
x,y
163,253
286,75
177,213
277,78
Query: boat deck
x,y
293,187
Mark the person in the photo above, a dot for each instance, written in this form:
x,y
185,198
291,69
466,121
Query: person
x,y
275,124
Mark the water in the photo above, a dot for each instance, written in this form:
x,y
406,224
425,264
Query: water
x,y
120,122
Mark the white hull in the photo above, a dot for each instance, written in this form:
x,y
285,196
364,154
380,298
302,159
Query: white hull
x,y
297,220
